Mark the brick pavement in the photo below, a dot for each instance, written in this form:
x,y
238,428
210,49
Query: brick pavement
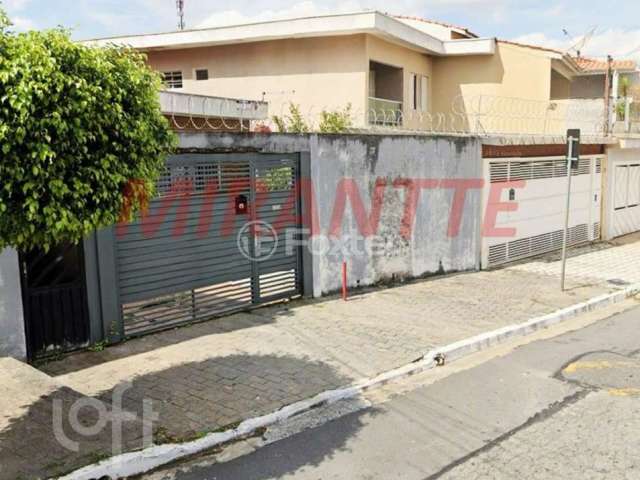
x,y
29,428
212,375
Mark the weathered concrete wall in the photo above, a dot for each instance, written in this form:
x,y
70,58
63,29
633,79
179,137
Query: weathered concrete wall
x,y
365,159
428,248
12,338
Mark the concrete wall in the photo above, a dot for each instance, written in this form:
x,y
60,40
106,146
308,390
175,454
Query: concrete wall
x,y
366,158
580,88
560,86
513,72
429,249
12,337
591,86
315,73
410,62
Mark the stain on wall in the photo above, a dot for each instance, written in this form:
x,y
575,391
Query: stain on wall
x,y
366,159
428,249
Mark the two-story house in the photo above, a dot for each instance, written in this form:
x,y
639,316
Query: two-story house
x,y
404,72
419,75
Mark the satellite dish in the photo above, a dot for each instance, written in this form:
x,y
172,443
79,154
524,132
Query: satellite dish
x,y
578,47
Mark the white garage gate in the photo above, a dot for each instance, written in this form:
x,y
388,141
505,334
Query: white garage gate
x,y
539,219
624,192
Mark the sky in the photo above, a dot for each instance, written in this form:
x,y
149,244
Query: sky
x,y
597,27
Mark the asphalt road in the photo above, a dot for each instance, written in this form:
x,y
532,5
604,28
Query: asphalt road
x,y
566,407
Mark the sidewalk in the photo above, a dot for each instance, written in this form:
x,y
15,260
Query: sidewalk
x,y
212,375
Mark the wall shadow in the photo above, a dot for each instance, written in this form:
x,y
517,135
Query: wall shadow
x,y
201,397
30,448
134,346
190,401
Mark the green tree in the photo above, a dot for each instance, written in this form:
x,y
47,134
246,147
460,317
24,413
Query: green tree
x,y
82,138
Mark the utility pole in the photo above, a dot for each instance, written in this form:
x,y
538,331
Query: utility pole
x,y
607,95
573,157
180,7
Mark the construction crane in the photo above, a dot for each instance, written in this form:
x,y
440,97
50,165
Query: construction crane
x,y
180,7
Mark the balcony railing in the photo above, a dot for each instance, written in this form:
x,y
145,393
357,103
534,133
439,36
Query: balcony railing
x,y
385,112
188,104
626,115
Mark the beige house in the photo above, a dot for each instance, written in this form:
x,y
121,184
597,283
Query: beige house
x,y
402,72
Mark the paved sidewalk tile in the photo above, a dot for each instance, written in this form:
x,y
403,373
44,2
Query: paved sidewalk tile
x,y
41,425
618,266
212,375
208,376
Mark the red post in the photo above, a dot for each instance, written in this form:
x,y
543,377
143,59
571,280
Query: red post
x,y
344,281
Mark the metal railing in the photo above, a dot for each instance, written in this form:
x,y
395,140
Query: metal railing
x,y
385,112
192,111
626,115
483,115
488,114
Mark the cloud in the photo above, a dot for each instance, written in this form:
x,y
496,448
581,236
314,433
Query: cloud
x,y
14,5
269,10
302,9
619,43
23,24
543,40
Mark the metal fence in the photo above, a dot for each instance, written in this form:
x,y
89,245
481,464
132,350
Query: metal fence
x,y
477,115
194,255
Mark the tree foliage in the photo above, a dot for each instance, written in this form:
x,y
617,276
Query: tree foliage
x,y
292,123
331,121
80,129
338,121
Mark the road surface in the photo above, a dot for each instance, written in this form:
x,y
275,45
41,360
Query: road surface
x,y
564,407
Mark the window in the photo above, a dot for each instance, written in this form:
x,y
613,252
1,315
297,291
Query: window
x,y
172,79
420,90
202,74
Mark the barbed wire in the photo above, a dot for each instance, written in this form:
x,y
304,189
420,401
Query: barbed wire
x,y
200,112
481,115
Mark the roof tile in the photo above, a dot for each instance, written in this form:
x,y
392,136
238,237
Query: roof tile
x,y
594,65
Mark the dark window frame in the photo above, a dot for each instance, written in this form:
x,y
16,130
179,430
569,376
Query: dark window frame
x,y
202,74
173,79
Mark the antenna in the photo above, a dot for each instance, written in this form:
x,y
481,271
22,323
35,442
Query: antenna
x,y
180,7
579,46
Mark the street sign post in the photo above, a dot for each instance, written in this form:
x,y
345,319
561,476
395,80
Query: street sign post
x,y
573,158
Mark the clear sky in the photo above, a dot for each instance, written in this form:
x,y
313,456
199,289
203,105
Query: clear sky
x,y
615,24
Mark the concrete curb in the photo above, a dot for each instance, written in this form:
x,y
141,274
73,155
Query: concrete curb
x,y
486,340
139,462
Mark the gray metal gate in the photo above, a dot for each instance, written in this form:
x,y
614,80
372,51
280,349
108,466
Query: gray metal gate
x,y
214,241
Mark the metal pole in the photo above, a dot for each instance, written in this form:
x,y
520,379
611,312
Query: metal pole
x,y
565,238
344,281
607,96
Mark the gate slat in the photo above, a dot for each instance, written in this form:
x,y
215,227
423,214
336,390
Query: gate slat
x,y
167,279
